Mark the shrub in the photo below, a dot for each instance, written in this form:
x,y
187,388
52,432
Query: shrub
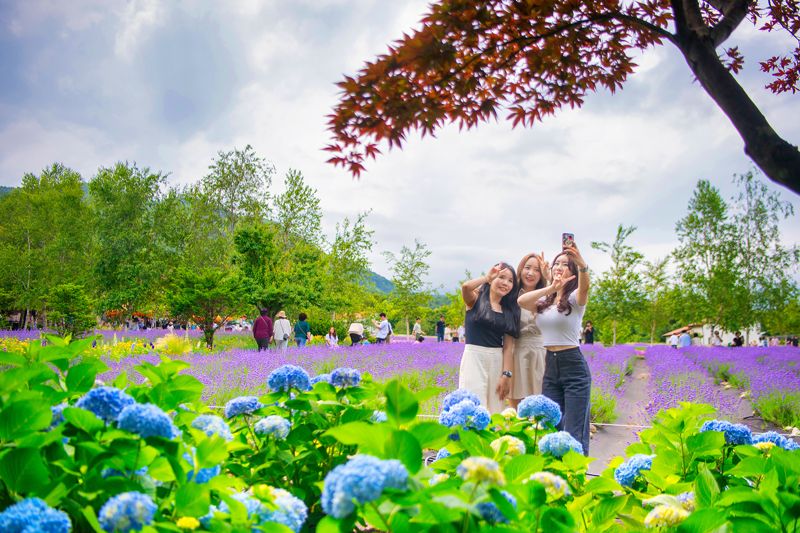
x,y
70,310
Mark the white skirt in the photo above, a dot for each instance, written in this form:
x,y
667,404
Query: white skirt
x,y
480,372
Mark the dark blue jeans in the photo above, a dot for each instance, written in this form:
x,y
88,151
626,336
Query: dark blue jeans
x,y
568,382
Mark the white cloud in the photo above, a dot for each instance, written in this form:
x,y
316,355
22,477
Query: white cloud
x,y
138,19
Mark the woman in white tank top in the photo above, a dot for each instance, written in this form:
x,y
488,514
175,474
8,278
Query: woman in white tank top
x,y
559,311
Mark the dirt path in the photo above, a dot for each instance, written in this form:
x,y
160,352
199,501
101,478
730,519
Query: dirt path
x,y
611,441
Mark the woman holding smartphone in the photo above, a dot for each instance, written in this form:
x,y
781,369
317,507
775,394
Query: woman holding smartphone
x,y
491,324
559,309
533,274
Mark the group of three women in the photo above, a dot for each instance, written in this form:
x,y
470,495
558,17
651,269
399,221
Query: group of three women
x,y
523,334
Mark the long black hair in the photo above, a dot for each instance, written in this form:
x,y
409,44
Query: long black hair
x,y
569,288
483,307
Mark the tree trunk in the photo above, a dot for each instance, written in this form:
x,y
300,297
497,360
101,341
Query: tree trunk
x,y
208,335
778,159
652,332
614,332
408,331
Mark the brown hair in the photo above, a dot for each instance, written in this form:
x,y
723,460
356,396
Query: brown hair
x,y
563,303
540,283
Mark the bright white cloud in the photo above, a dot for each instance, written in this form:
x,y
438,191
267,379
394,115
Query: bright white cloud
x,y
170,84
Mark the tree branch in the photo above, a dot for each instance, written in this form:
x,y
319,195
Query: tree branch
x,y
733,16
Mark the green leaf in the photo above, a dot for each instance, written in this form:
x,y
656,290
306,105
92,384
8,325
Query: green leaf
x,y
24,471
368,437
83,419
750,467
13,359
161,470
474,444
433,512
522,467
192,499
503,504
430,434
80,378
330,524
212,451
706,444
706,488
600,485
403,446
401,406
607,509
22,417
557,519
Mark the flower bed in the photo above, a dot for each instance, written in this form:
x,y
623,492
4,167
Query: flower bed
x,y
341,452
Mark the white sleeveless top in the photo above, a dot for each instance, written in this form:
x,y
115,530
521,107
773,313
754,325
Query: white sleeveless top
x,y
560,329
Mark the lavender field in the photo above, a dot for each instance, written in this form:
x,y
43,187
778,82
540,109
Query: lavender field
x,y
726,378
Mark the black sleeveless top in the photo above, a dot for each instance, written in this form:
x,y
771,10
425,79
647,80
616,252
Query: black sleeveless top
x,y
487,333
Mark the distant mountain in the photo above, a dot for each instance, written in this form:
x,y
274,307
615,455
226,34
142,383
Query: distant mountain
x,y
382,285
5,190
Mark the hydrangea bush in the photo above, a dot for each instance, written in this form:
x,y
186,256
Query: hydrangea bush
x,y
343,453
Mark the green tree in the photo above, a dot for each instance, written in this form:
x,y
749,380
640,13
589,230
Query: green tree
x,y
133,261
766,266
656,310
409,269
70,310
347,265
238,185
618,292
45,236
707,260
203,296
298,214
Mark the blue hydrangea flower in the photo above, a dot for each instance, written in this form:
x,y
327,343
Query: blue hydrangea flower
x,y
442,453
129,511
242,405
33,515
322,377
203,474
147,420
491,513
291,511
734,433
113,472
288,377
345,377
627,472
378,417
458,396
105,402
777,439
465,414
362,479
213,425
559,443
540,408
274,425
58,415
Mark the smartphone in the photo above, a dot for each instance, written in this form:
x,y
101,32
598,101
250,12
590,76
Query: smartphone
x,y
567,239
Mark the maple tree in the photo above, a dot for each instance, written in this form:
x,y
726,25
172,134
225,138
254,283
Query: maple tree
x,y
472,58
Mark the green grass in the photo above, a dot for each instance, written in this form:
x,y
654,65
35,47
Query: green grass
x,y
604,407
780,407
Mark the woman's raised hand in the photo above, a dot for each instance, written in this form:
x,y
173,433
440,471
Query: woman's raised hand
x,y
544,268
493,273
576,256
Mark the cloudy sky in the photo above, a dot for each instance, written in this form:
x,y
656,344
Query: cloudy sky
x,y
169,84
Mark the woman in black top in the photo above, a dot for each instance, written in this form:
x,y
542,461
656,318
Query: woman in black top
x,y
492,324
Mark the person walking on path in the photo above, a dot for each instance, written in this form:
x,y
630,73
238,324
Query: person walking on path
x,y
533,274
302,330
262,330
673,340
356,332
384,329
282,331
492,326
440,325
685,339
567,379
416,331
